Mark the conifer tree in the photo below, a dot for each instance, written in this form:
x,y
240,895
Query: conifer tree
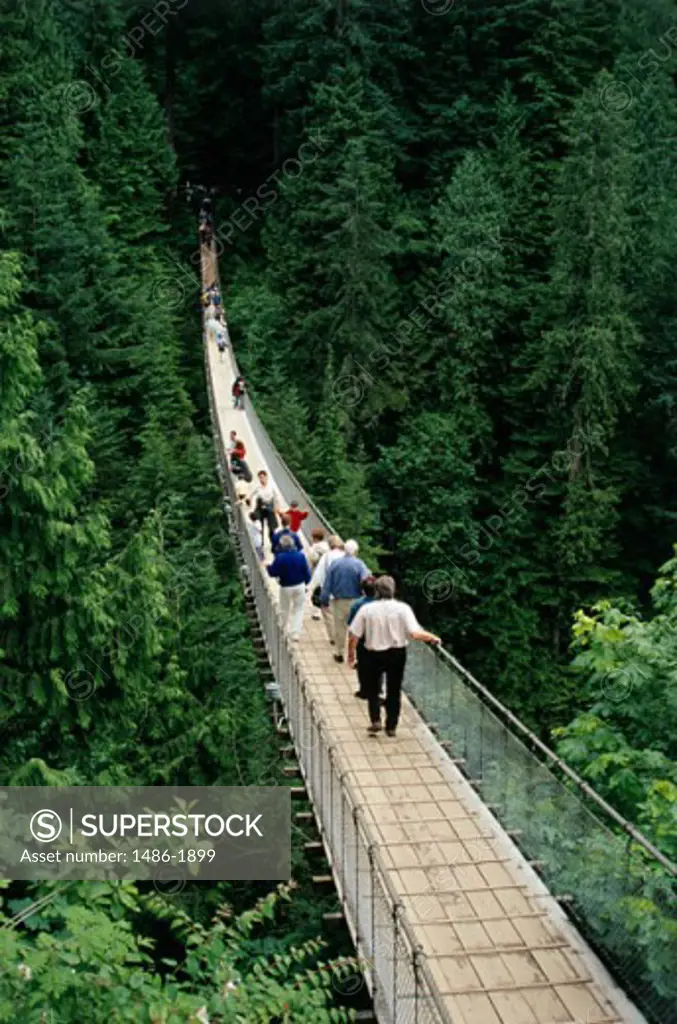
x,y
337,479
55,603
331,240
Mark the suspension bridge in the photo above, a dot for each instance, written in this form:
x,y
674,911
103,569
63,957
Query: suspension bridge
x,y
482,881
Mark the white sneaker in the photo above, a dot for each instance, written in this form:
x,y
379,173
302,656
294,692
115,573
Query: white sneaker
x,y
317,616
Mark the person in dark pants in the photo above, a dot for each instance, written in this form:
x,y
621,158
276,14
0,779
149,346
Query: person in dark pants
x,y
387,626
238,392
368,592
266,504
239,467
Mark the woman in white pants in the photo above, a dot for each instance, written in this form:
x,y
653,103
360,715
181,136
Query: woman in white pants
x,y
290,568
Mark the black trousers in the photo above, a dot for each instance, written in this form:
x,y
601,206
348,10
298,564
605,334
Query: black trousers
x,y
361,657
391,664
240,468
266,513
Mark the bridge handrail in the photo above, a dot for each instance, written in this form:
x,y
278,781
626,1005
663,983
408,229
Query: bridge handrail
x,y
561,765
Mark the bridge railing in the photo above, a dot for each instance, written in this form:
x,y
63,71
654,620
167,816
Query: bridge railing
x,y
620,890
393,965
618,887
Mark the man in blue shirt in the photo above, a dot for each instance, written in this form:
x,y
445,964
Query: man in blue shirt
x,y
290,568
343,584
284,531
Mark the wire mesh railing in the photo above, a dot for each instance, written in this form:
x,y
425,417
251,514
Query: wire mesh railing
x,y
391,962
621,890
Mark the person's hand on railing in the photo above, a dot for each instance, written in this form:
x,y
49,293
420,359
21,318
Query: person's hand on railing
x,y
426,637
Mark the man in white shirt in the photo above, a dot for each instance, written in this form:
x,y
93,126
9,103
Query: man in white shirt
x,y
336,549
387,626
266,503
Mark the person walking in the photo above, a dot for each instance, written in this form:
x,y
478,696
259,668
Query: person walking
x,y
266,504
205,234
212,326
387,626
256,534
368,595
336,549
221,337
285,531
290,568
342,585
318,547
296,516
239,467
238,392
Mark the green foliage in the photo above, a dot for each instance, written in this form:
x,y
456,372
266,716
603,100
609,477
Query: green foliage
x,y
90,963
124,654
624,741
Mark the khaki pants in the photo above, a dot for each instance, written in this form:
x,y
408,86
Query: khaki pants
x,y
340,606
328,622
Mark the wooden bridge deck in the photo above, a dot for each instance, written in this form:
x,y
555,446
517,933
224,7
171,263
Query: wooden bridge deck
x,y
499,947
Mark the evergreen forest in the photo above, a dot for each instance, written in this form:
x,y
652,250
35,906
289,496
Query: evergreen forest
x,y
447,236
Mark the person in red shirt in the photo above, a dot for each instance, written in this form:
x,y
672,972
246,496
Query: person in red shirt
x,y
238,390
238,454
296,516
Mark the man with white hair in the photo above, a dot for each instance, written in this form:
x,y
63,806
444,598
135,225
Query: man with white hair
x,y
290,568
336,549
343,585
386,626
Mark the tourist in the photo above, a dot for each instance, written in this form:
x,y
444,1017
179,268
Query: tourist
x,y
290,568
213,327
238,391
285,531
318,548
387,626
221,335
342,585
238,455
256,534
296,516
336,549
265,502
